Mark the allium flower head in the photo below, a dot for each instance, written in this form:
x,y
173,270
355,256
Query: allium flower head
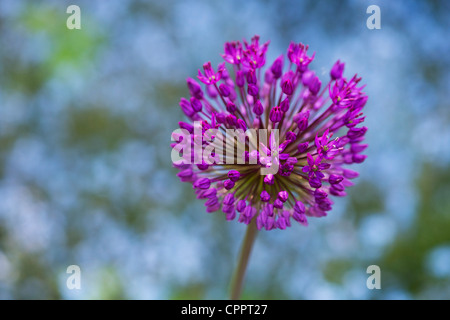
x,y
311,133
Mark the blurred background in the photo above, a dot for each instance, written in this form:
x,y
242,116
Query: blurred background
x,y
86,176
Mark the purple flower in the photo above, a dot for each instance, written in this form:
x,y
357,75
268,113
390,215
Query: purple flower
x,y
228,184
224,90
314,85
269,179
194,88
233,53
326,148
320,134
283,196
302,120
297,53
202,183
258,108
240,78
228,199
265,196
234,175
186,107
337,70
335,179
277,67
276,114
252,90
302,147
307,77
291,136
231,107
241,124
211,77
255,54
240,206
251,77
284,105
196,104
345,93
287,87
355,133
315,167
299,213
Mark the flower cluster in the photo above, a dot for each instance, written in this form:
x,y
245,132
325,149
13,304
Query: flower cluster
x,y
319,133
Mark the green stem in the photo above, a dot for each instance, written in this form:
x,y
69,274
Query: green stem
x,y
239,273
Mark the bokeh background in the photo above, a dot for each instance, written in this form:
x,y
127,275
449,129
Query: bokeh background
x,y
86,176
